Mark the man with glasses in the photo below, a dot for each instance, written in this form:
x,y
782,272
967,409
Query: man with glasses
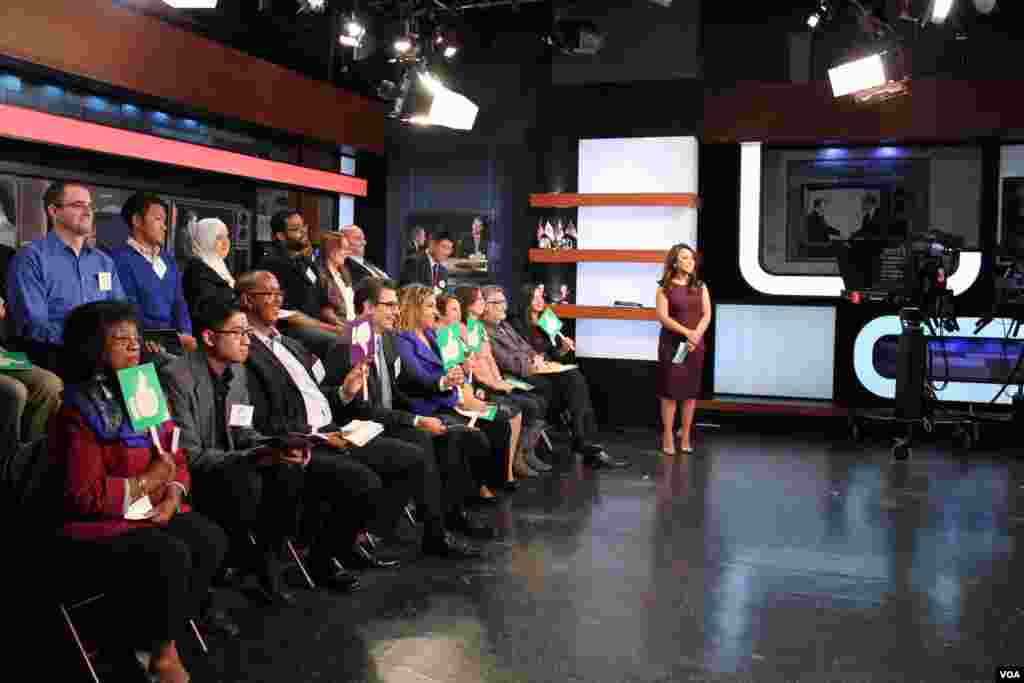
x,y
247,488
358,265
304,295
563,390
51,276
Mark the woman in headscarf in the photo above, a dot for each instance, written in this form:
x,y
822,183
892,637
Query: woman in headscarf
x,y
206,275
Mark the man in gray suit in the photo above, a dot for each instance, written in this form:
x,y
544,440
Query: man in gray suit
x,y
245,481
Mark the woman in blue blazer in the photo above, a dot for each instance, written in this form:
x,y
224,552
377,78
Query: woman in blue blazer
x,y
433,392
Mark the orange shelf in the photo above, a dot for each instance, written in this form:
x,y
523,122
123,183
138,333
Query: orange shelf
x,y
597,255
568,200
604,312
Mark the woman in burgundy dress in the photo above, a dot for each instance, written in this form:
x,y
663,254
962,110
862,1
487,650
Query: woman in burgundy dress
x,y
684,310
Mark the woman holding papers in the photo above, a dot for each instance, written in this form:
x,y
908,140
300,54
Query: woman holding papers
x,y
684,310
486,373
554,347
121,513
434,391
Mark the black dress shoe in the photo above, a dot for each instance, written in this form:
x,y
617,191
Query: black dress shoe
x,y
464,524
272,594
602,459
217,622
362,557
509,486
447,545
340,580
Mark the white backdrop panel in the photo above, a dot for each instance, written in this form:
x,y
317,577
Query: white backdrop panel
x,y
783,351
602,284
625,339
636,227
638,165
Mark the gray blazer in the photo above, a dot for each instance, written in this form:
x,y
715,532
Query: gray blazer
x,y
190,399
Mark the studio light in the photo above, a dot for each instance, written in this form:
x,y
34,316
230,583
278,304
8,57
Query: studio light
x,y
312,6
819,15
192,4
352,33
450,51
403,44
813,20
861,74
447,108
938,10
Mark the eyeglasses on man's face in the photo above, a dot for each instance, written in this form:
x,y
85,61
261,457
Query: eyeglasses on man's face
x,y
78,206
272,293
388,304
497,302
242,334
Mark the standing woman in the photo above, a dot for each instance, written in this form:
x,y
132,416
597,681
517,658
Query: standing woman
x,y
684,310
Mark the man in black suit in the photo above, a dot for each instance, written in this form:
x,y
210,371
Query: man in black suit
x,y
428,269
452,447
358,266
871,223
818,229
285,385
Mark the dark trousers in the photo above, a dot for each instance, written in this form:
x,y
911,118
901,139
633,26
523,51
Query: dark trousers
x,y
408,471
156,576
342,495
243,499
491,466
568,391
452,460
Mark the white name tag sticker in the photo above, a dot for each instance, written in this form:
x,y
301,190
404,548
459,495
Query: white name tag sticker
x,y
106,281
398,367
318,371
159,267
311,275
241,416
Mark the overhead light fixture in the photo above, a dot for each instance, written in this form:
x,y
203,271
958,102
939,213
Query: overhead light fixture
x,y
403,44
860,74
938,10
818,15
450,50
192,4
312,6
352,32
447,108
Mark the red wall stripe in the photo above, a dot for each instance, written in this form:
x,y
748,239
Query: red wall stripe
x,y
35,126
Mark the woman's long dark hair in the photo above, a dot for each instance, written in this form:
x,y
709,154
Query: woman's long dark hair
x,y
467,294
693,281
525,310
85,337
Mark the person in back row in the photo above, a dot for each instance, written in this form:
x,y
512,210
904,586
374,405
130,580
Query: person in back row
x,y
357,263
207,278
149,274
51,276
29,397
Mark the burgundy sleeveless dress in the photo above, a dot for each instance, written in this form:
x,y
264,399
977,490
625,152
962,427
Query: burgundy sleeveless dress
x,y
681,381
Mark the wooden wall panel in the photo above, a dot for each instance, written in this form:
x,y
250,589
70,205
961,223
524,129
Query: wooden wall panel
x,y
96,40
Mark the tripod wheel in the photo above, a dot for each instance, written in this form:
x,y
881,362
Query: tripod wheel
x,y
901,451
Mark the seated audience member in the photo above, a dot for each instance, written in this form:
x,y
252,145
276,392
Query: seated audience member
x,y
453,449
488,375
474,244
207,278
51,276
432,391
246,487
157,570
291,264
149,274
337,305
357,262
428,268
28,399
562,390
284,383
451,314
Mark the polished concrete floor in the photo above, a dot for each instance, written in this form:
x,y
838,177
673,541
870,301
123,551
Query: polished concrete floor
x,y
762,557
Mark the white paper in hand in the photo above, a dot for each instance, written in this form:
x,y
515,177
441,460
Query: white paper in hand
x,y
140,509
361,432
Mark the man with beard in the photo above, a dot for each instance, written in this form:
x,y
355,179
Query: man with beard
x,y
291,264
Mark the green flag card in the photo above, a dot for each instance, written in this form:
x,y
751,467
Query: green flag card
x,y
475,335
489,413
147,406
14,360
550,323
448,340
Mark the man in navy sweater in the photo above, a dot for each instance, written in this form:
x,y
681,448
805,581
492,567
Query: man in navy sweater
x,y
150,276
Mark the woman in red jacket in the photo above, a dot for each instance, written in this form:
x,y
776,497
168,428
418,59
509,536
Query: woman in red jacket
x,y
156,569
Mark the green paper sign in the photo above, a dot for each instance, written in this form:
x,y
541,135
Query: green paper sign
x,y
448,340
475,335
147,406
14,360
550,323
488,414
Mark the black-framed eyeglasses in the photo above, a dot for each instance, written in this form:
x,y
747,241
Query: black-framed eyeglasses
x,y
389,304
81,206
276,294
242,334
498,302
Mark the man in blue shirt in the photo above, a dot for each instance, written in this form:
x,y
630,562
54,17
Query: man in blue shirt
x,y
53,275
150,275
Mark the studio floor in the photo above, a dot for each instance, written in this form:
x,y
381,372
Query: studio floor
x,y
778,557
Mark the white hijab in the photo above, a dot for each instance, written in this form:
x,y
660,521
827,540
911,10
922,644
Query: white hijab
x,y
204,235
